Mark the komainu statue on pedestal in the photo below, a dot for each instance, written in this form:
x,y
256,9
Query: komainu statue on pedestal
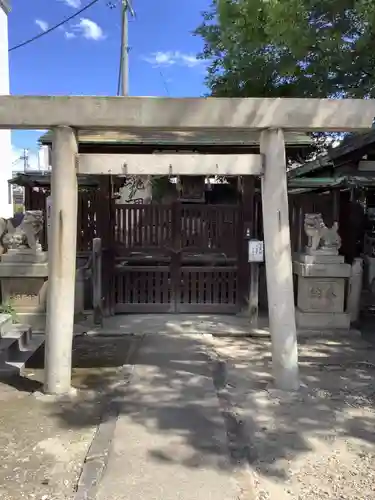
x,y
320,237
21,231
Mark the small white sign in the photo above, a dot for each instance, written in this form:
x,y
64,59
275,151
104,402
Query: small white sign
x,y
256,251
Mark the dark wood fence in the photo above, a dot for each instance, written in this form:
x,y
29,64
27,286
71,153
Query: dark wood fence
x,y
301,204
177,258
90,223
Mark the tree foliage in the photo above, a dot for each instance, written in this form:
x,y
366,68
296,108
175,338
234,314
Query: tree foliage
x,y
290,48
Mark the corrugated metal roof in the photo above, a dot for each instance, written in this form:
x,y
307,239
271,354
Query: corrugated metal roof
x,y
350,144
319,163
44,179
310,183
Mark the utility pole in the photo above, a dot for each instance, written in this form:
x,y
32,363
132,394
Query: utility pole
x,y
25,158
125,7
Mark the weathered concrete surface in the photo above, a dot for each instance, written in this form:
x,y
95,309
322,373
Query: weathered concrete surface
x,y
62,238
170,440
169,164
188,114
175,324
46,442
39,457
277,252
314,444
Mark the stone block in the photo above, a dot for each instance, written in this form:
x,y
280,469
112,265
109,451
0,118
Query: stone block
x,y
316,320
25,295
6,324
28,270
24,284
318,259
321,251
325,295
322,270
24,257
36,320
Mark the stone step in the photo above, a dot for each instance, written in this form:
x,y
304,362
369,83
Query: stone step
x,y
16,339
6,324
13,362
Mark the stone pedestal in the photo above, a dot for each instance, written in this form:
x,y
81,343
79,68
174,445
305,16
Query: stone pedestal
x,y
24,275
24,282
321,280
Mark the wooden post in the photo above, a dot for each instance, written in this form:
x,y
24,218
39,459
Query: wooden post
x,y
254,270
61,263
300,229
336,206
278,261
97,280
254,294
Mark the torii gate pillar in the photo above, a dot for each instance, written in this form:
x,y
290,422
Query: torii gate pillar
x,y
279,261
62,242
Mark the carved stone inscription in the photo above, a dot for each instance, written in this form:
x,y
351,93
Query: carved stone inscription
x,y
321,294
25,295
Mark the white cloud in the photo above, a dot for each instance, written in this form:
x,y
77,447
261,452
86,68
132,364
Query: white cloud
x,y
89,29
73,3
171,58
69,35
43,25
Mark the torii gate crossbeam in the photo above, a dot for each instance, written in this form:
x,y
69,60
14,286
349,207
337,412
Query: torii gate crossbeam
x,y
270,117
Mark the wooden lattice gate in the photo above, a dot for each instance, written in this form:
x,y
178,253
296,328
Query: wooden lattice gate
x,y
177,258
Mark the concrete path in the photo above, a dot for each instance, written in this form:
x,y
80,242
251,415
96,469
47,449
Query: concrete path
x,y
175,324
170,440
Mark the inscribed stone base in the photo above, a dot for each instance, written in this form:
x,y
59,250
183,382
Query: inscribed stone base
x,y
316,320
323,295
25,294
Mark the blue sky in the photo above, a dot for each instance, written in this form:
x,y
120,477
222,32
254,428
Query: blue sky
x,y
82,57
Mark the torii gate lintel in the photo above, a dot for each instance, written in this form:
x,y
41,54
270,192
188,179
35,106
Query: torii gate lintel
x,y
271,117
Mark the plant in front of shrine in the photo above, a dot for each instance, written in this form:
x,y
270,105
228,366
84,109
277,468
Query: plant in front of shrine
x,y
8,308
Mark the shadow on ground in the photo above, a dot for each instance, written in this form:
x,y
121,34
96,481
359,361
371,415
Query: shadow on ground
x,y
336,402
266,431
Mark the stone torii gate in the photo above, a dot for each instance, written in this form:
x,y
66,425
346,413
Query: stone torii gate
x,y
269,117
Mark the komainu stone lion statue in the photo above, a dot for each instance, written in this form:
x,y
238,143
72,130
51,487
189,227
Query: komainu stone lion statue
x,y
21,231
321,237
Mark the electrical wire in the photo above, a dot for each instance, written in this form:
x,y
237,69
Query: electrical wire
x,y
53,28
166,88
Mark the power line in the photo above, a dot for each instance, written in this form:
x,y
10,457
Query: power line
x,y
166,88
53,28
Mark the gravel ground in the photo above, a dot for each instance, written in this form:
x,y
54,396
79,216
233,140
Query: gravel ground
x,y
317,444
40,457
44,441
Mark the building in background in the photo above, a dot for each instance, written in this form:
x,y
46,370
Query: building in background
x,y
26,163
17,195
44,160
